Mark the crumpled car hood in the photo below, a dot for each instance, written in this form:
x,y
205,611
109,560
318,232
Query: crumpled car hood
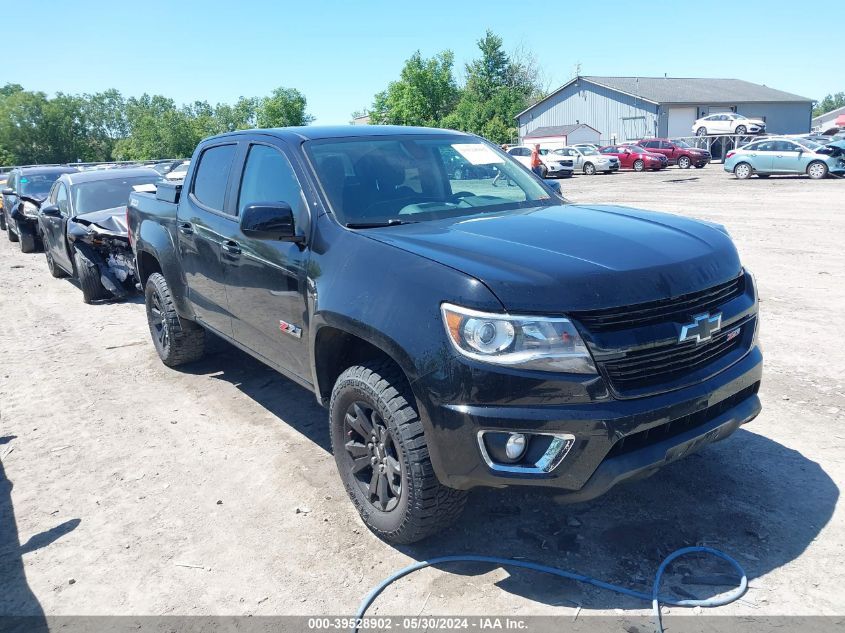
x,y
111,221
569,257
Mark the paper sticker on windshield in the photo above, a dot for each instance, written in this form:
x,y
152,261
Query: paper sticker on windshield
x,y
477,153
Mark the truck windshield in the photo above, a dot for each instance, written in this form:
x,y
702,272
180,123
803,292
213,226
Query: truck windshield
x,y
376,181
106,194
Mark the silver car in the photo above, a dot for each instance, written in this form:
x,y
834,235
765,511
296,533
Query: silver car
x,y
588,160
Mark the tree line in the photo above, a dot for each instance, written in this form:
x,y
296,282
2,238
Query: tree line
x,y
829,103
496,87
106,126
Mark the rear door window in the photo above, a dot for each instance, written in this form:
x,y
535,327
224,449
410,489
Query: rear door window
x,y
212,176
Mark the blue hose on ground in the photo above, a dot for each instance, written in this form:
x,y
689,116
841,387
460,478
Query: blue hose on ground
x,y
655,598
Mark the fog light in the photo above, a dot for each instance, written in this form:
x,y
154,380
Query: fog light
x,y
515,446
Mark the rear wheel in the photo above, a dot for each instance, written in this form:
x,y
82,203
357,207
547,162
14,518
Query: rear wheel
x,y
639,165
589,169
817,170
743,171
684,162
177,340
88,274
702,131
381,453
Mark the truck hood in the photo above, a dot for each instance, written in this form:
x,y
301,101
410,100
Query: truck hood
x,y
569,258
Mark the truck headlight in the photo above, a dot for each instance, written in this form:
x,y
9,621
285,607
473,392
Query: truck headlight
x,y
29,210
524,342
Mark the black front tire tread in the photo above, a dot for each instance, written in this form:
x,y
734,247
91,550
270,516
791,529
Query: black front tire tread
x,y
187,339
88,274
431,505
13,237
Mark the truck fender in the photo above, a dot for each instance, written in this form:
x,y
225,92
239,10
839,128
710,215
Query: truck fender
x,y
156,251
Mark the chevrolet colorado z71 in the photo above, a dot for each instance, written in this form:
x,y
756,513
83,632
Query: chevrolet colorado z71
x,y
461,334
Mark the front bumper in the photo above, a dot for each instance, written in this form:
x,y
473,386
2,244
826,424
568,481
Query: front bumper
x,y
614,440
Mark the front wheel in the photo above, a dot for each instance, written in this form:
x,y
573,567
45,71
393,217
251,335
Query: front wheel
x,y
639,165
13,237
88,274
2,219
817,170
382,456
177,341
589,169
743,171
27,239
741,130
684,162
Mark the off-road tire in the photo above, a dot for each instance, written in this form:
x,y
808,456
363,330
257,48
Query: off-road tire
x,y
639,165
185,342
425,506
88,274
684,162
589,169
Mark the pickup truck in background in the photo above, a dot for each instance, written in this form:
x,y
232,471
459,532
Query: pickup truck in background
x,y
678,152
461,334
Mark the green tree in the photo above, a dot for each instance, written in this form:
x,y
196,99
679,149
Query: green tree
x,y
425,93
829,103
284,107
498,87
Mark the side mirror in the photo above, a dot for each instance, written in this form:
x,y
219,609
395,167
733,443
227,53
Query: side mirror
x,y
269,221
51,210
8,191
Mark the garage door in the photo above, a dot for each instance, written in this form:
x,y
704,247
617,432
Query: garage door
x,y
681,120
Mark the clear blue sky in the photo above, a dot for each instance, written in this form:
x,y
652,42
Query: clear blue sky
x,y
340,53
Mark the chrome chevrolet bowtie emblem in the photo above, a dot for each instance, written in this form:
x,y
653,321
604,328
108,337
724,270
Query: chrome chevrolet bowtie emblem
x,y
702,328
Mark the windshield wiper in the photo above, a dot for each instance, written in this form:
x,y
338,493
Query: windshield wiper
x,y
375,225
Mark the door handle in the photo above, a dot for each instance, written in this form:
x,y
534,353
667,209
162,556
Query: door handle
x,y
186,228
231,247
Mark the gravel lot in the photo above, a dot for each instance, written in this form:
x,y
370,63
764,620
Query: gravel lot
x,y
127,488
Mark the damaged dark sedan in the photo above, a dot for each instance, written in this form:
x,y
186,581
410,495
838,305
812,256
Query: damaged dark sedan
x,y
23,194
83,227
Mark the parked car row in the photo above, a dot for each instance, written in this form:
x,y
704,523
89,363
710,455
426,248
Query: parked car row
x,y
459,334
79,219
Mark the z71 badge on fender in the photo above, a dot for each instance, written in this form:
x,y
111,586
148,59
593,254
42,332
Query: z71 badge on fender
x,y
290,328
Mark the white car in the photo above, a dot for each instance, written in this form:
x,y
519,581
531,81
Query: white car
x,y
179,172
588,160
727,123
555,165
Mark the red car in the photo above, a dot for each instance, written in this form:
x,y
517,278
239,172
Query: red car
x,y
635,157
678,152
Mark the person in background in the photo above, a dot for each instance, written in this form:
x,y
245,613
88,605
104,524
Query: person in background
x,y
536,163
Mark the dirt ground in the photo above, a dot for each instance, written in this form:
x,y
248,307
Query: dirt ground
x,y
127,488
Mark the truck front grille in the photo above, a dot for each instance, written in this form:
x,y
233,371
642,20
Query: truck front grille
x,y
679,309
646,368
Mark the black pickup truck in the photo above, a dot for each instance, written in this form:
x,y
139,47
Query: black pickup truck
x,y
462,333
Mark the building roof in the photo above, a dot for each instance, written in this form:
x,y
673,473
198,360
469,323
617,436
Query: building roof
x,y
677,90
833,114
557,130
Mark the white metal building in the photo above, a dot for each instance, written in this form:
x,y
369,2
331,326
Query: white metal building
x,y
630,108
834,118
562,135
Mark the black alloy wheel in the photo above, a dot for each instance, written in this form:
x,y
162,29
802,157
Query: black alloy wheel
x,y
374,456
